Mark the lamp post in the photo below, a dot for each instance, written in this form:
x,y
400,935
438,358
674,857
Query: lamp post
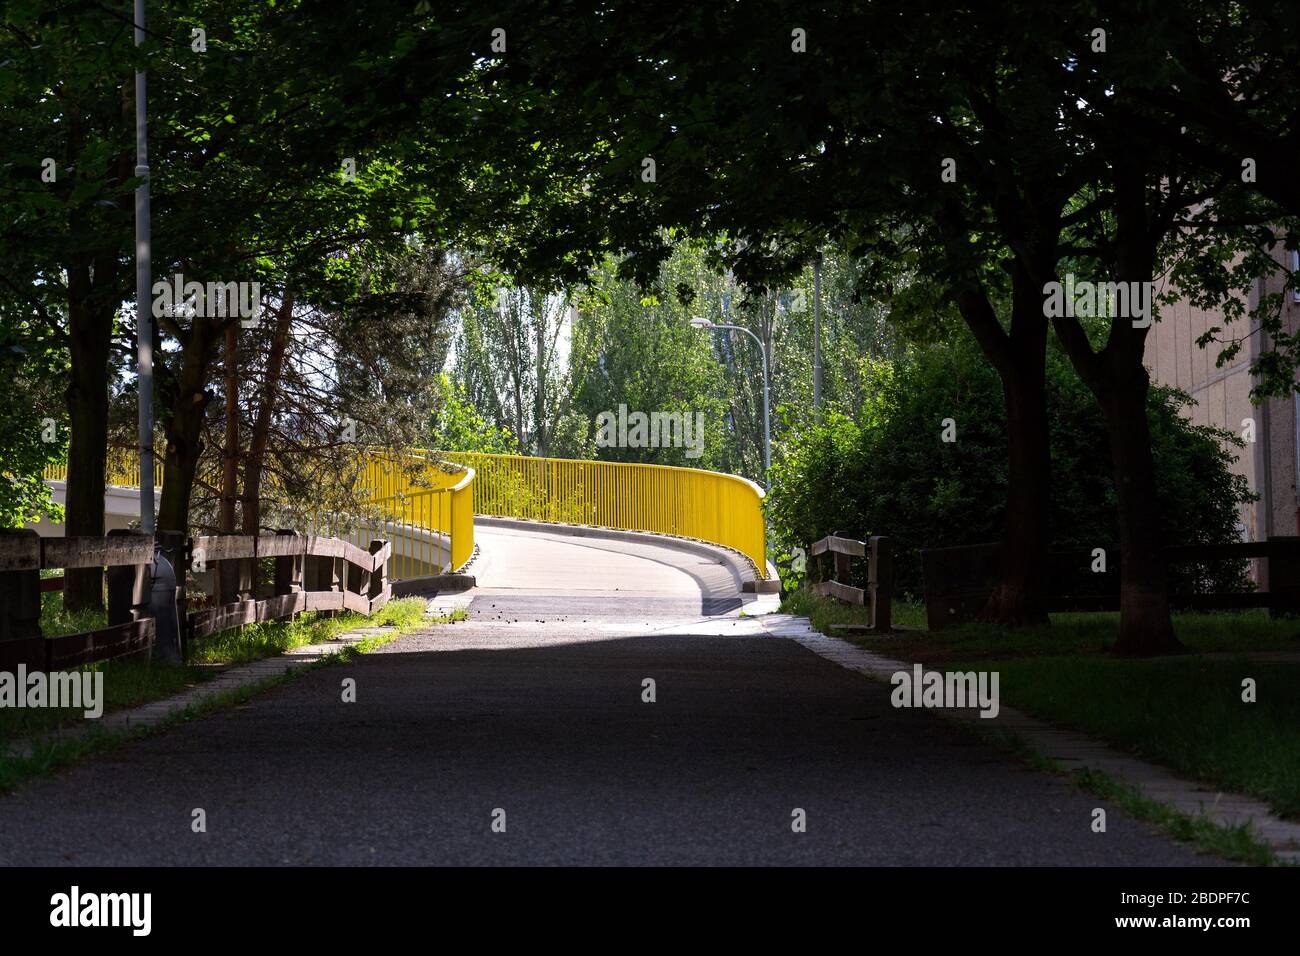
x,y
702,323
817,337
143,315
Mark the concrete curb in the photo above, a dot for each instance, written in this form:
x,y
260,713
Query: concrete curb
x,y
1071,750
433,583
742,567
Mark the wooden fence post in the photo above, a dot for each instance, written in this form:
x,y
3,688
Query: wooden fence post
x,y
377,575
843,568
20,600
234,579
880,578
130,588
323,573
130,593
358,578
288,570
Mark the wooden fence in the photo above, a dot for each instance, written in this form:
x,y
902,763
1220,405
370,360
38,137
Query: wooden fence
x,y
958,581
146,599
879,592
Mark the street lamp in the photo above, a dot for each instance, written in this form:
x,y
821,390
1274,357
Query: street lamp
x,y
702,323
143,267
817,337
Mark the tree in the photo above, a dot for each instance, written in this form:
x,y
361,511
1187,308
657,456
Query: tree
x,y
648,359
67,226
457,425
33,425
878,470
511,361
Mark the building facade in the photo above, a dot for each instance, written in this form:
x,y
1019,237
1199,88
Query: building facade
x,y
1270,461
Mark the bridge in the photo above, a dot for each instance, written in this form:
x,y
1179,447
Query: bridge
x,y
538,524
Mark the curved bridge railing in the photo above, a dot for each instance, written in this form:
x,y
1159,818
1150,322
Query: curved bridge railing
x,y
687,502
424,503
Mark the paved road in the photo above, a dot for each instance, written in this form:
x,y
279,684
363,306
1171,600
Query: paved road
x,y
534,707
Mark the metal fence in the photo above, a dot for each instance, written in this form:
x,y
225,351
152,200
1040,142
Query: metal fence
x,y
424,502
688,502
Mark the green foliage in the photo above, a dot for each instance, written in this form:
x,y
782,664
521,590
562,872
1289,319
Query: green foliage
x,y
457,425
33,427
888,472
648,358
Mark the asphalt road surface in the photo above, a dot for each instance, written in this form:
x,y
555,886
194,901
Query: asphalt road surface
x,y
531,716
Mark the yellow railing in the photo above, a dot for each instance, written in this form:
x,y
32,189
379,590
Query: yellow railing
x,y
432,529
123,470
427,506
688,502
423,506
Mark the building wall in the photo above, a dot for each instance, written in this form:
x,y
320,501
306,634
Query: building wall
x,y
1222,397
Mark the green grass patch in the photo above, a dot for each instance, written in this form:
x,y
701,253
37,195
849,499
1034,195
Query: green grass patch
x,y
1235,842
1229,842
56,622
1186,713
127,683
1183,712
823,612
1203,632
256,641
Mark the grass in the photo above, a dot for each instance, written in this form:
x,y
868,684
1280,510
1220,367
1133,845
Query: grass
x,y
256,641
1184,712
55,621
1229,842
1203,632
130,683
823,612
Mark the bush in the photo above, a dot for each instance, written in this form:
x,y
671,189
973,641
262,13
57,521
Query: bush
x,y
887,472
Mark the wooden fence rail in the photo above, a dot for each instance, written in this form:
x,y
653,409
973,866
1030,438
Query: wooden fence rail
x,y
879,592
311,574
958,581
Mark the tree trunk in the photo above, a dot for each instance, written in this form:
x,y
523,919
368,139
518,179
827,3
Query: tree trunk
x,y
89,335
539,397
255,466
1018,598
185,427
230,454
1145,627
1019,357
1118,379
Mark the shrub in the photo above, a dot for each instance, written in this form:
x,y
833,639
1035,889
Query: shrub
x,y
887,472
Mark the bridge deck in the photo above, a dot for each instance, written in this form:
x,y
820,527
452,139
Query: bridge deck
x,y
590,576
